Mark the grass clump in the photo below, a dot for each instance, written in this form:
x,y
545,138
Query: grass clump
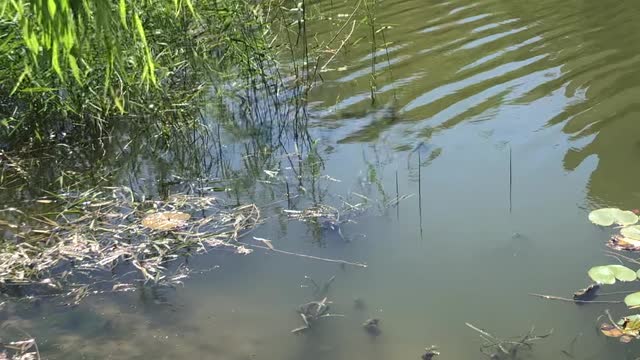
x,y
84,65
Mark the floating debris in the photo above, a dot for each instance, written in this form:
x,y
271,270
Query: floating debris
x,y
626,330
586,294
622,243
327,217
96,239
430,353
165,221
312,311
372,326
509,348
359,304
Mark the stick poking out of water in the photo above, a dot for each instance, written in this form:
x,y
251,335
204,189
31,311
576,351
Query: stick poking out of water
x,y
510,180
420,192
397,197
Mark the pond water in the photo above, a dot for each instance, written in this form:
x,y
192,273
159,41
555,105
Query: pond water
x,y
523,115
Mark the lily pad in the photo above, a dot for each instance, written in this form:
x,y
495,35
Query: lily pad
x,y
602,275
623,273
165,221
631,232
609,273
625,217
633,300
610,216
619,242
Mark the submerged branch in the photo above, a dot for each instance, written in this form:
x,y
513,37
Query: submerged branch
x,y
343,262
550,297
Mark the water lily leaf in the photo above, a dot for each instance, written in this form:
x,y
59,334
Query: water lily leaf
x,y
610,330
610,216
623,273
633,300
602,217
631,232
602,275
625,217
165,221
619,242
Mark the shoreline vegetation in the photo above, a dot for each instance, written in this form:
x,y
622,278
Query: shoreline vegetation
x,y
90,89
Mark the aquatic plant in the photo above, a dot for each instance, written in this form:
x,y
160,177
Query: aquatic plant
x,y
627,239
105,229
88,64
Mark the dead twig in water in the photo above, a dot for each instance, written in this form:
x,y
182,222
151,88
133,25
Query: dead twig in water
x,y
309,256
551,297
497,348
629,259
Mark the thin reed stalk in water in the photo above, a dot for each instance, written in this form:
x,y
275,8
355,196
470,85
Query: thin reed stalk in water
x,y
510,181
420,192
397,197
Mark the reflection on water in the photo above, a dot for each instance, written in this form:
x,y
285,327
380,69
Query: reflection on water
x,y
554,81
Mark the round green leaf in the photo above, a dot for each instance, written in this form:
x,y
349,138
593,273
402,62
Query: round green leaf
x,y
632,300
602,275
623,273
610,216
632,232
602,217
625,217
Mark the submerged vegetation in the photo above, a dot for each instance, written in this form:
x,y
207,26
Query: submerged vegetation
x,y
88,88
110,231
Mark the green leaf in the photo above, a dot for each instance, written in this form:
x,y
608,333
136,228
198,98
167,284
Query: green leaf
x,y
75,70
610,216
602,217
122,7
51,5
625,218
602,275
623,273
632,232
632,300
608,274
55,62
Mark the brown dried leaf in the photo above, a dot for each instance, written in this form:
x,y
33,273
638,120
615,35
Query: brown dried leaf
x,y
619,242
610,330
166,221
626,339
